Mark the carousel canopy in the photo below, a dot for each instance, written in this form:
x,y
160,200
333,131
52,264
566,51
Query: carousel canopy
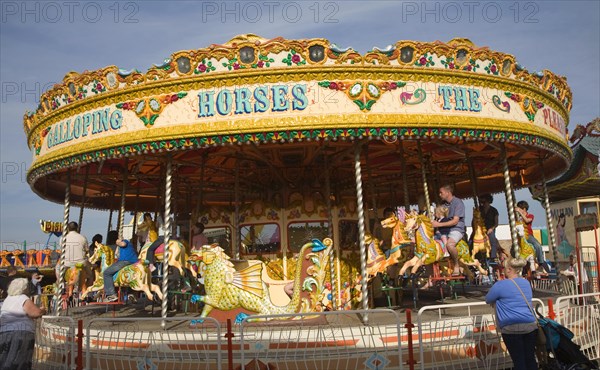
x,y
258,118
582,178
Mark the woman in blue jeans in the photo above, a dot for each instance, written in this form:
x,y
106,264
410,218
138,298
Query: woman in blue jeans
x,y
512,298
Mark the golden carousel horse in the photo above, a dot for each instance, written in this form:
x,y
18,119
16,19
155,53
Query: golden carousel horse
x,y
377,260
526,250
75,279
135,276
429,250
481,240
178,256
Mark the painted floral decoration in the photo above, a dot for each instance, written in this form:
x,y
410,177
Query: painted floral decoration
x,y
294,58
492,68
425,61
98,87
233,64
204,67
263,61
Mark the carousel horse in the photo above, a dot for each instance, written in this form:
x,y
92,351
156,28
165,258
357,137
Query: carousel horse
x,y
177,255
75,279
135,276
526,250
228,289
429,250
481,241
377,260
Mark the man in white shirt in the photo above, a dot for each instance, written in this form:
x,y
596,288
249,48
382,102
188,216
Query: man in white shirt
x,y
76,248
573,272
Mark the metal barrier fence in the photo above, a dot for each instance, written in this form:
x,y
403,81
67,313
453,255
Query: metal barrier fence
x,y
465,337
448,336
54,343
561,285
581,314
325,340
141,343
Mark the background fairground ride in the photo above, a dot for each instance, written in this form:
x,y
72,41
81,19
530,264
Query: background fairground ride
x,y
271,143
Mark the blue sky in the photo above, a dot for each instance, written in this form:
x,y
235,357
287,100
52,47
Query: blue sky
x,y
42,41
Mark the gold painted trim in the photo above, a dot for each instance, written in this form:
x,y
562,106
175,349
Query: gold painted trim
x,y
307,74
357,120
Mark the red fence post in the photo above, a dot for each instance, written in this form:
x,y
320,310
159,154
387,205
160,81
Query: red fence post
x,y
229,335
79,360
551,313
409,326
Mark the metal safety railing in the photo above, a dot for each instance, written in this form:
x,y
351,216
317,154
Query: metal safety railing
x,y
141,343
324,340
460,336
581,314
55,343
447,336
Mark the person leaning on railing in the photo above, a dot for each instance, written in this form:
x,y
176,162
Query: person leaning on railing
x,y
512,299
17,326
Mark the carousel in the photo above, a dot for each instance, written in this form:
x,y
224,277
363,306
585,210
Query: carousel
x,y
288,151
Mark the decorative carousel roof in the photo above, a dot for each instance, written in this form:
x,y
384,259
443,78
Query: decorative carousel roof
x,y
582,179
282,111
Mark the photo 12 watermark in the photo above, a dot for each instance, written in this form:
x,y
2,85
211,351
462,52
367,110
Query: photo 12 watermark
x,y
469,11
13,171
23,92
69,11
270,11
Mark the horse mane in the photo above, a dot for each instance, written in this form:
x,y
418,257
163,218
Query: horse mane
x,y
401,213
426,222
479,226
108,252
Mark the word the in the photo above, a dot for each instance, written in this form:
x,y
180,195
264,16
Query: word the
x,y
464,99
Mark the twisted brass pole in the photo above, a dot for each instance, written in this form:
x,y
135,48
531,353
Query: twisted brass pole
x,y
549,222
424,176
167,239
123,198
404,178
510,205
361,231
330,234
60,296
85,182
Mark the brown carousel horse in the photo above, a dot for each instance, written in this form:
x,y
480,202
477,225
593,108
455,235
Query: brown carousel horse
x,y
481,240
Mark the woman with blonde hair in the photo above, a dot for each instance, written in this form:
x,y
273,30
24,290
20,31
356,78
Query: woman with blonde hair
x,y
17,326
512,299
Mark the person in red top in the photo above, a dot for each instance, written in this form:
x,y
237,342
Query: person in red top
x,y
523,208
